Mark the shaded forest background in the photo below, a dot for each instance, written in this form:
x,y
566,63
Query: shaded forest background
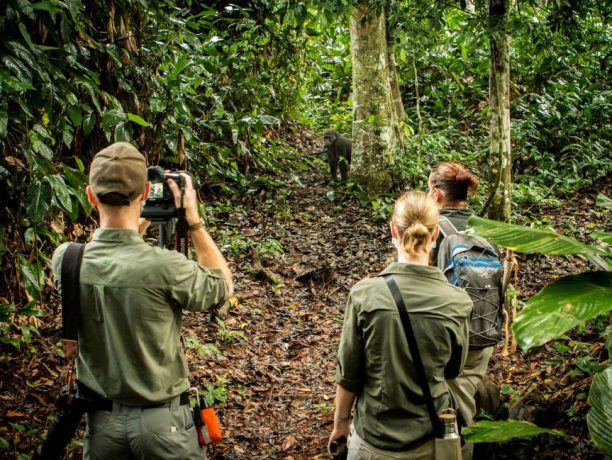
x,y
224,90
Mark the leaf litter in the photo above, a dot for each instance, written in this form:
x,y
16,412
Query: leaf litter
x,y
269,363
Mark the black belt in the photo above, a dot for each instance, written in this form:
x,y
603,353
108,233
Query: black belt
x,y
107,404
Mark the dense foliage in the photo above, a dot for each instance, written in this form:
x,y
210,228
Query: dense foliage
x,y
211,85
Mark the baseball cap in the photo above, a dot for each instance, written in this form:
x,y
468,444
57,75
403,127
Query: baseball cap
x,y
118,174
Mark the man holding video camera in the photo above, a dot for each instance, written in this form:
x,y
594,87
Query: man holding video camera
x,y
132,296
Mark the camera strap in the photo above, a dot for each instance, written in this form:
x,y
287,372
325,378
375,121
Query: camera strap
x,y
181,233
181,230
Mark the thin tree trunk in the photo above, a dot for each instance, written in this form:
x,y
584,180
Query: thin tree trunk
x,y
500,159
377,111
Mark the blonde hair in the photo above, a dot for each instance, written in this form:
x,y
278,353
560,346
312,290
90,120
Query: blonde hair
x,y
415,217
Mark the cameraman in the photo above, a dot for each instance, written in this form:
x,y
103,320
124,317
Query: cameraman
x,y
132,297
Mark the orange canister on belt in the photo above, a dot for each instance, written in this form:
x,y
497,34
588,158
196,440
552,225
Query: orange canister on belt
x,y
206,421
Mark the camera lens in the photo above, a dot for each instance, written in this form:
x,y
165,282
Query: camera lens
x,y
155,174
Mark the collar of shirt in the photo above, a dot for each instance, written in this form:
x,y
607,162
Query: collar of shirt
x,y
122,235
398,268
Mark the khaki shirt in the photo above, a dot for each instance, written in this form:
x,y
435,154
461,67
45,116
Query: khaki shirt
x,y
374,360
132,296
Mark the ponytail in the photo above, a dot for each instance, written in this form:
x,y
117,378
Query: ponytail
x,y
415,217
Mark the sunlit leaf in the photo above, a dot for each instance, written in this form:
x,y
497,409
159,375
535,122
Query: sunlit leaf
x,y
138,120
599,418
563,305
505,430
530,240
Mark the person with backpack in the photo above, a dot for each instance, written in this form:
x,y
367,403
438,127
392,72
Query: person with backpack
x,y
130,361
471,263
405,333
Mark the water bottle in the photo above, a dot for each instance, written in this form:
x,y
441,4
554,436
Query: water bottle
x,y
449,425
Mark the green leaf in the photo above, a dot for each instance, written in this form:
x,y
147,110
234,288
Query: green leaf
x,y
138,120
33,276
501,431
5,312
603,201
39,146
562,305
3,123
90,122
112,118
75,115
603,236
268,120
37,200
4,444
599,418
61,191
68,136
179,66
530,240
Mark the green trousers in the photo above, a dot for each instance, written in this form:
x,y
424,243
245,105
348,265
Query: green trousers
x,y
131,433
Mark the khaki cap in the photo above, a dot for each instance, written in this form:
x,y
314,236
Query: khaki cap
x,y
118,174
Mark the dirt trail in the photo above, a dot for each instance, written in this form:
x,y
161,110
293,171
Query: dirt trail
x,y
280,379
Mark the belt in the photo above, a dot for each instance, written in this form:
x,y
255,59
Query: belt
x,y
107,404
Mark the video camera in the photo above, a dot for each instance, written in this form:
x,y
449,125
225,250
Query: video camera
x,y
160,205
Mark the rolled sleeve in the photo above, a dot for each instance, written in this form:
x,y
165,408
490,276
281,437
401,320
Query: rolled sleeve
x,y
350,370
198,288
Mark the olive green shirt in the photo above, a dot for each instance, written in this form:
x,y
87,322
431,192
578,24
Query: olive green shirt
x,y
132,296
374,360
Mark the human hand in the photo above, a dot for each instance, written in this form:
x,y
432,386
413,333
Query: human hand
x,y
338,436
189,198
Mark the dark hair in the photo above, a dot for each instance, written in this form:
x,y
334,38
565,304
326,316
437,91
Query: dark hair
x,y
454,180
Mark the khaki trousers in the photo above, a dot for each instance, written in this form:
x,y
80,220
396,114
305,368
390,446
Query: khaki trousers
x,y
464,387
131,433
358,449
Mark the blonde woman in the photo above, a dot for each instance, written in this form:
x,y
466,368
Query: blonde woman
x,y
376,372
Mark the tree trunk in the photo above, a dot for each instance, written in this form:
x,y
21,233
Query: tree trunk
x,y
500,160
377,107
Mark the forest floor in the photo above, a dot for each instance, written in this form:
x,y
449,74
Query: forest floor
x,y
296,246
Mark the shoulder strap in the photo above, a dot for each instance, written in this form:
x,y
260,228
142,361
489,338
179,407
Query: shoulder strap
x,y
414,351
71,302
446,226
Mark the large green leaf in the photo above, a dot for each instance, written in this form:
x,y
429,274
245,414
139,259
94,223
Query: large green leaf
x,y
530,240
37,200
501,431
562,305
599,418
604,201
